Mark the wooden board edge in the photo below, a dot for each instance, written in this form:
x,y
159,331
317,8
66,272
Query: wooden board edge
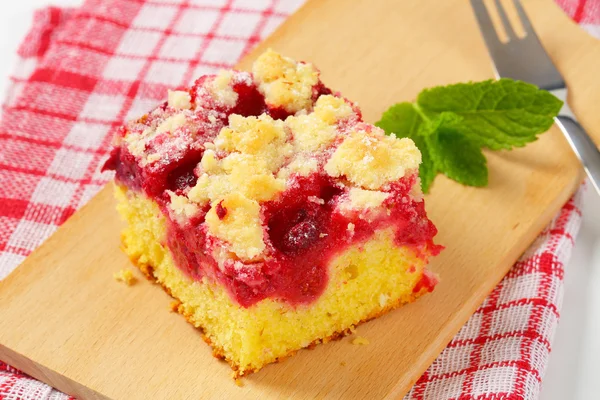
x,y
46,245
23,363
49,376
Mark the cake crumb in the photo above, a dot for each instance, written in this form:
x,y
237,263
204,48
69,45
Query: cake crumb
x,y
153,157
172,123
316,200
125,276
222,89
285,82
383,299
239,382
174,305
359,340
372,159
179,99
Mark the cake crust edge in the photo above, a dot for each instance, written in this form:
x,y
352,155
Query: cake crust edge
x,y
218,352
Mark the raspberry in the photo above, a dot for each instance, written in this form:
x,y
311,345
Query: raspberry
x,y
301,236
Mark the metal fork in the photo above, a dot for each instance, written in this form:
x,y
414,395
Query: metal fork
x,y
525,59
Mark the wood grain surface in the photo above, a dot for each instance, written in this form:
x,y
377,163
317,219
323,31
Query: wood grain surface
x,y
67,322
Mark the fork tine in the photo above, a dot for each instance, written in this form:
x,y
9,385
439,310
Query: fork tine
x,y
524,18
485,23
504,18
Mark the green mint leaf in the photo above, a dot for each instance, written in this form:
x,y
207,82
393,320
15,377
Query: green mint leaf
x,y
402,119
496,114
450,124
458,157
427,169
444,119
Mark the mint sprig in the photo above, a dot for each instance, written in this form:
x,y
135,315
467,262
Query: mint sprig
x,y
451,124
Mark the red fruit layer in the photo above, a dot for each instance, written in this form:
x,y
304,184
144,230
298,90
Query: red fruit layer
x,y
303,234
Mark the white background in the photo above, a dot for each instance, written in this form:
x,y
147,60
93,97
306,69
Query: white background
x,y
575,361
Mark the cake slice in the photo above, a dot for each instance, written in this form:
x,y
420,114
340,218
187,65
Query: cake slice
x,y
273,214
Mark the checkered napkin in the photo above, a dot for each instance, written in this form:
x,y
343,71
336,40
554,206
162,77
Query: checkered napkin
x,y
83,71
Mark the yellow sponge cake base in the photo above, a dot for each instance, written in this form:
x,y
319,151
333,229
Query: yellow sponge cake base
x,y
364,282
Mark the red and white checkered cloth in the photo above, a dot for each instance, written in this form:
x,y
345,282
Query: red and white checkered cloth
x,y
83,71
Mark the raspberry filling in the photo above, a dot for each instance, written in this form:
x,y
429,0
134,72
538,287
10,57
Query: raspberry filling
x,y
303,236
304,227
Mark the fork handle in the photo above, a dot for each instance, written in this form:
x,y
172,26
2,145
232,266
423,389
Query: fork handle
x,y
583,146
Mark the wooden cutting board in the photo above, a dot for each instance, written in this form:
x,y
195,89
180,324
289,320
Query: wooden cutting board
x,y
67,322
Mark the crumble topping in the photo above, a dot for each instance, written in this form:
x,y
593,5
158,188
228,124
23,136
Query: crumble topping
x,y
179,100
416,192
301,165
171,124
363,200
181,208
310,132
246,141
241,227
360,198
255,148
219,91
372,159
331,109
210,163
284,82
262,137
125,276
313,132
146,138
222,90
136,144
241,173
361,341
